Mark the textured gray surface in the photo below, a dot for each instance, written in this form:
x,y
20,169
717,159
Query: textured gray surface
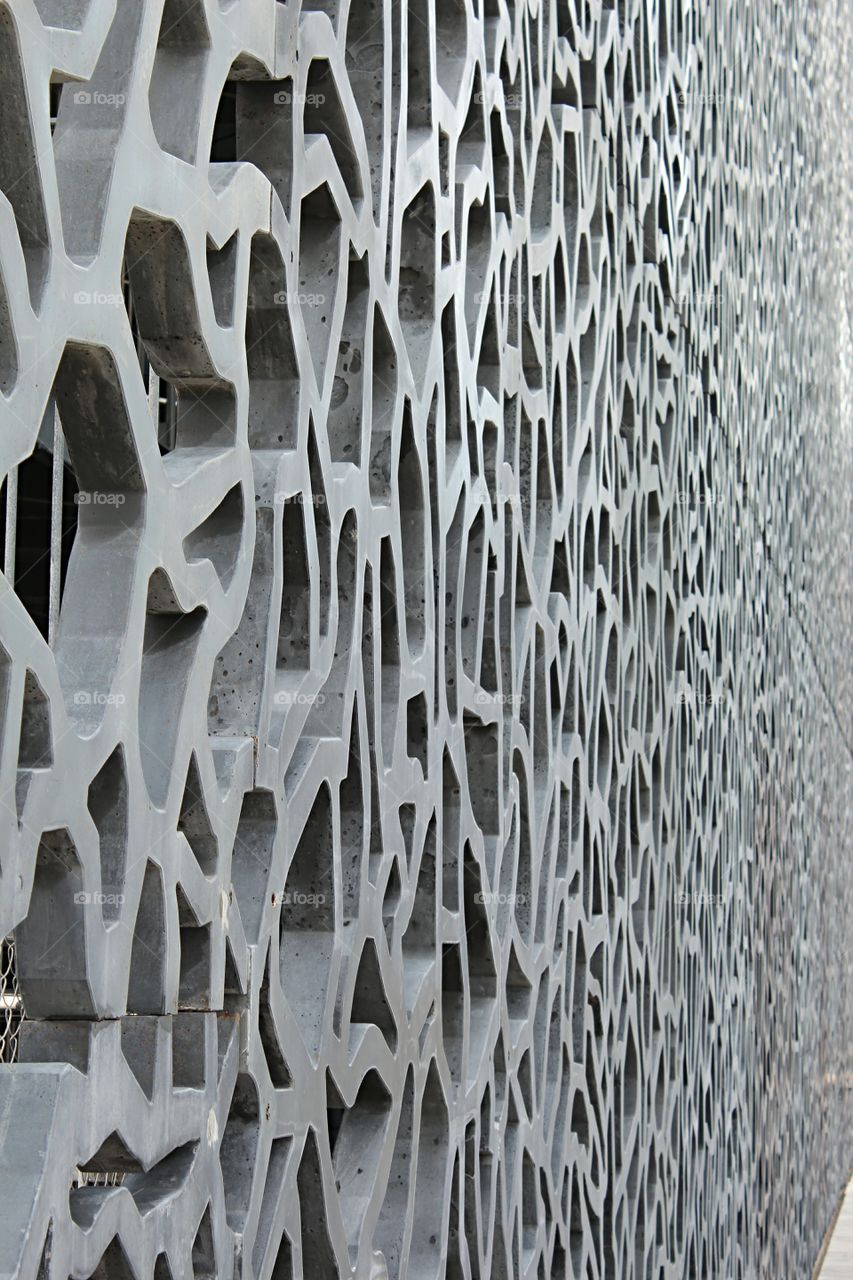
x,y
431,820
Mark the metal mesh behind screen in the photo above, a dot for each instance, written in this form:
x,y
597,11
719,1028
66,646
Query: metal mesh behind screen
x,y
10,1002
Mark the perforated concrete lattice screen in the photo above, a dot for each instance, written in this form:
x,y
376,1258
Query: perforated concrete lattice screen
x,y
425,675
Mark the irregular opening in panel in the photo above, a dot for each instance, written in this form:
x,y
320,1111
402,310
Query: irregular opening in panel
x,y
177,77
322,528
370,1005
324,116
306,930
346,407
319,260
358,1146
19,166
269,1219
418,81
416,292
146,992
294,636
418,947
451,46
50,950
221,269
352,824
238,1150
389,648
223,143
251,858
410,488
384,395
393,1214
219,536
38,525
169,647
268,1031
270,353
424,1259
417,730
318,1257
108,804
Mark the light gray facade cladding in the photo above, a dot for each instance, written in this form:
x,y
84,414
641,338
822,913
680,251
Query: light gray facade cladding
x,y
425,670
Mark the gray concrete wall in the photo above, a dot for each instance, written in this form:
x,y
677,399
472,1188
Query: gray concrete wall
x,y
425,670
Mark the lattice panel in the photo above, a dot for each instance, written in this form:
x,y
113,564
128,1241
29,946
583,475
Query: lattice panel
x,y
425,671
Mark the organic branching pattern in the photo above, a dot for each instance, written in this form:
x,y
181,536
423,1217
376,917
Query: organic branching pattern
x,y
425,674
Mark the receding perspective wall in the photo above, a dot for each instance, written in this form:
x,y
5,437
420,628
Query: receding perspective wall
x,y
425,638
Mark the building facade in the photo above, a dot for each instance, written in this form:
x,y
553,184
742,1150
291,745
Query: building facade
x,y
425,622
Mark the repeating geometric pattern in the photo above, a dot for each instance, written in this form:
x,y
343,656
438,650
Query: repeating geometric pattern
x,y
426,753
